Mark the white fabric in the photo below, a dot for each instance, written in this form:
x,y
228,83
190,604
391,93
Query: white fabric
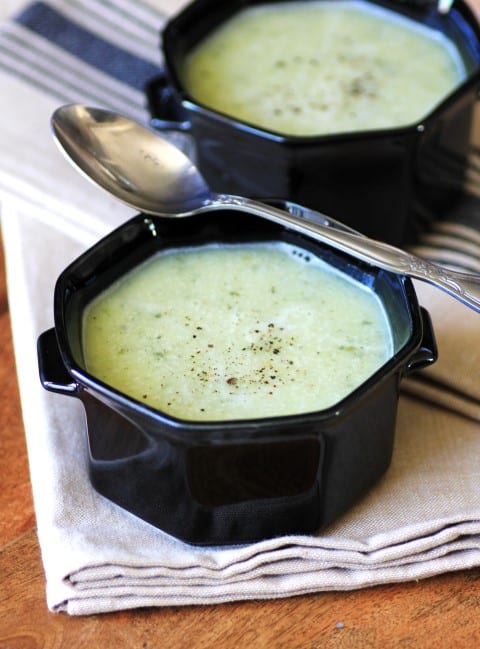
x,y
423,517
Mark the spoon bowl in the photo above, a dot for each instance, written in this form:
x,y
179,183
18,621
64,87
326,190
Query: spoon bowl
x,y
127,160
148,173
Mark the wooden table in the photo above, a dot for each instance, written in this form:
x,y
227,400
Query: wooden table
x,y
440,612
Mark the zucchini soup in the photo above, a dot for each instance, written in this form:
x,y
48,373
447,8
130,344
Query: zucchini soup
x,y
312,68
224,332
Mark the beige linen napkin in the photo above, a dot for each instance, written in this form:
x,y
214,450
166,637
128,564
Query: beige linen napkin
x,y
454,380
422,518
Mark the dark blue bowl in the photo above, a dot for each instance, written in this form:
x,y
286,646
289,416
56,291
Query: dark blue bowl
x,y
389,184
227,482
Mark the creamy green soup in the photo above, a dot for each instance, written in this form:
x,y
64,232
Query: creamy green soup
x,y
235,332
311,68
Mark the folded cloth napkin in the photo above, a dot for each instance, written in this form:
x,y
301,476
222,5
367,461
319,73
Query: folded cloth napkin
x,y
454,380
422,518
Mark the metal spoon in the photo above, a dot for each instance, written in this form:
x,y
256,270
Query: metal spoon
x,y
145,171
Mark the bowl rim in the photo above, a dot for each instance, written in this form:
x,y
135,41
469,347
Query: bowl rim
x,y
67,283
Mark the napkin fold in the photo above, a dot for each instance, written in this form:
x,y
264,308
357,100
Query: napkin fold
x,y
421,519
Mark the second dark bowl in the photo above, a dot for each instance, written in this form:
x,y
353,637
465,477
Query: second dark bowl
x,y
389,184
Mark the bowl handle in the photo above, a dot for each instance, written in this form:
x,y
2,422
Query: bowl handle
x,y
53,373
164,106
427,352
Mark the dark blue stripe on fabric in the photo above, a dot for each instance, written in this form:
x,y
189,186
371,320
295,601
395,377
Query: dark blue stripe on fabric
x,y
101,54
466,211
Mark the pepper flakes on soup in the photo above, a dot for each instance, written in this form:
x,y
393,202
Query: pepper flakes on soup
x,y
236,332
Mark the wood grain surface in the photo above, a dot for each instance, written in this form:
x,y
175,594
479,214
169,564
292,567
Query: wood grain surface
x,y
438,612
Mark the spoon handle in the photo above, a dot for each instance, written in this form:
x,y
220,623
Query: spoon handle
x,y
465,287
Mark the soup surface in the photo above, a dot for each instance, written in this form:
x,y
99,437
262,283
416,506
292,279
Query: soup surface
x,y
236,332
312,68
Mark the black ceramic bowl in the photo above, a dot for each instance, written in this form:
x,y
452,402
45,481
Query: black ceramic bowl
x,y
227,482
389,184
